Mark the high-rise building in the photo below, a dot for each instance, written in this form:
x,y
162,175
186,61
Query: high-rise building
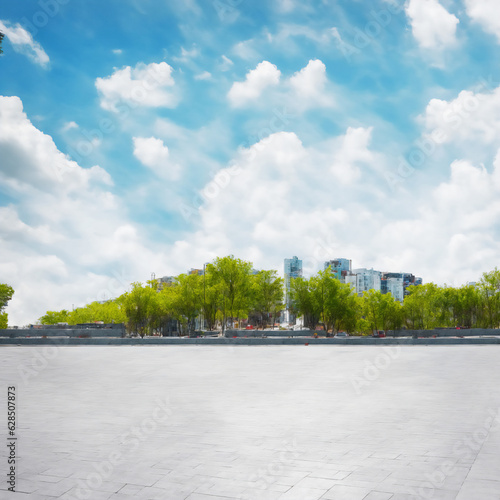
x,y
394,286
407,279
364,279
340,268
293,269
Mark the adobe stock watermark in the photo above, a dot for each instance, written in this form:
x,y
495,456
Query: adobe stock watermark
x,y
379,20
266,476
117,283
464,449
221,180
226,9
373,369
39,20
41,358
324,250
131,440
425,147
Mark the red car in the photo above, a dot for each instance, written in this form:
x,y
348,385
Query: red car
x,y
379,334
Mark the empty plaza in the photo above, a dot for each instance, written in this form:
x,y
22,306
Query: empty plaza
x,y
253,422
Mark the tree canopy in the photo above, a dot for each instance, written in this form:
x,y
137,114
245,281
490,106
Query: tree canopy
x,y
230,293
6,293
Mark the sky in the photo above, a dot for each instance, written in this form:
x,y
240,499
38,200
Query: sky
x,y
151,136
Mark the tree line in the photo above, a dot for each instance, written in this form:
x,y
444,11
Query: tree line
x,y
229,292
324,300
225,294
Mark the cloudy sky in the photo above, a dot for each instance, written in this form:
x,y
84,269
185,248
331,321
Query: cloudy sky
x,y
141,136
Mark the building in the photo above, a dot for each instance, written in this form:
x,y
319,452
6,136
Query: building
x,y
165,281
199,272
365,279
407,280
293,269
340,268
395,287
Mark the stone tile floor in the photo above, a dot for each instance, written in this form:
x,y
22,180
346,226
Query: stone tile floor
x,y
255,423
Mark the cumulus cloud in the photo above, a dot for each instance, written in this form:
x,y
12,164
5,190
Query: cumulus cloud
x,y
148,85
472,117
256,81
23,42
309,84
153,153
432,25
307,88
280,198
485,12
64,237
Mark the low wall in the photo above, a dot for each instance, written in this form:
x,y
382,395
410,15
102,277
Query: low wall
x,y
270,333
445,332
221,341
15,333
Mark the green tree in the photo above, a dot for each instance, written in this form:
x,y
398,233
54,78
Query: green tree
x,y
421,307
489,290
267,296
6,293
304,301
54,317
231,276
188,299
140,306
381,311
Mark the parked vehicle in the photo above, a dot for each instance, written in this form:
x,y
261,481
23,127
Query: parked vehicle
x,y
379,334
341,335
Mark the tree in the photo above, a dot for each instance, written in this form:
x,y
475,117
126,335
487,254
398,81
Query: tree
x,y
267,296
6,293
421,307
381,311
232,278
139,306
54,317
489,289
188,299
304,302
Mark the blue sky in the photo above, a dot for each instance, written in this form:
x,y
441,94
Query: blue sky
x,y
152,136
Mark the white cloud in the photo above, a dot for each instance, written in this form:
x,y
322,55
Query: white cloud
x,y
226,63
432,25
145,85
485,12
309,84
245,50
68,126
203,76
153,153
286,5
256,81
472,117
117,51
329,200
23,42
64,237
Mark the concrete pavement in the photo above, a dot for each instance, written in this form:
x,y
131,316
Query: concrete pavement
x,y
253,422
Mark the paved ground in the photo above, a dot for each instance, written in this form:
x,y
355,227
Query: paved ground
x,y
264,422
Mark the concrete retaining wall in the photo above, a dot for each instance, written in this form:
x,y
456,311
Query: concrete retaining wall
x,y
60,332
246,342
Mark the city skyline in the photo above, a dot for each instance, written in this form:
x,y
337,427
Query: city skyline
x,y
141,137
